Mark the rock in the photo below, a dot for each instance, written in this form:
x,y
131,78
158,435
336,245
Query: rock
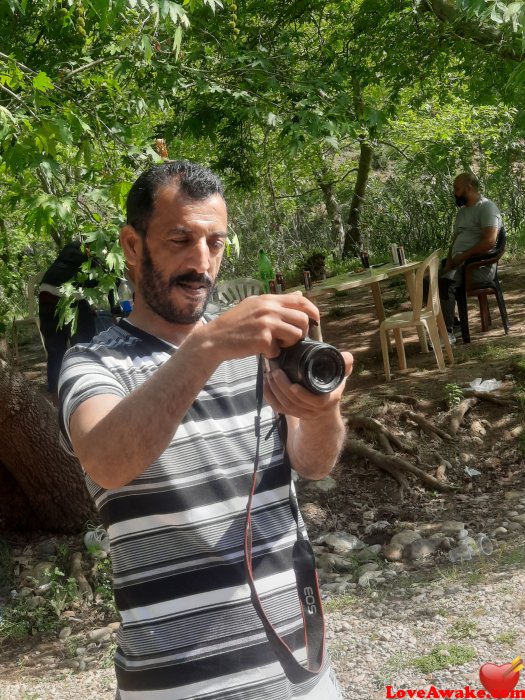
x,y
367,567
81,651
42,571
514,495
462,534
519,518
452,590
452,527
64,633
512,513
377,527
477,428
369,515
46,548
342,542
420,549
393,552
114,626
514,527
499,531
334,563
437,592
323,485
368,554
36,602
368,577
405,537
102,634
25,592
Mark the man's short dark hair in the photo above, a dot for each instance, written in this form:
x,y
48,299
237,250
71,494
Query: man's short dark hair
x,y
469,179
195,181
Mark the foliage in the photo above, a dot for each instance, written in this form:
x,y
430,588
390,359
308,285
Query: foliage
x,y
278,97
20,619
453,395
442,657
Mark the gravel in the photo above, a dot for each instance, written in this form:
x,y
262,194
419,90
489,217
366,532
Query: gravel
x,y
373,640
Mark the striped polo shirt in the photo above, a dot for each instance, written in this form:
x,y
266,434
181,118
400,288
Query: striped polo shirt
x,y
188,627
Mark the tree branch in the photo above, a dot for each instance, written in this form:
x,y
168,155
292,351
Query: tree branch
x,y
87,66
485,36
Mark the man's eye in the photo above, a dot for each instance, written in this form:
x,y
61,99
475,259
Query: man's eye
x,y
218,245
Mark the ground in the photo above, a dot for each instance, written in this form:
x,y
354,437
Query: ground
x,y
435,623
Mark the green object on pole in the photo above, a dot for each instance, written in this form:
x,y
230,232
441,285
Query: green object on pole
x,y
266,272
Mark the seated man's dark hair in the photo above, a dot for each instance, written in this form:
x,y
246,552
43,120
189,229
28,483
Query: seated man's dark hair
x,y
469,179
195,181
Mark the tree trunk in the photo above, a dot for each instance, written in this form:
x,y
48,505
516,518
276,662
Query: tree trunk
x,y
41,486
334,214
353,234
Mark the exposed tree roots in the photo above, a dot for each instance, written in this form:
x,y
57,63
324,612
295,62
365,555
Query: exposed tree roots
x,y
428,427
393,465
75,571
457,414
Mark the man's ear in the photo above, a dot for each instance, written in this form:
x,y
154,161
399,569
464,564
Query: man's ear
x,y
131,242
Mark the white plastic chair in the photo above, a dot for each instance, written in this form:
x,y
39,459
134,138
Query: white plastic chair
x,y
232,291
32,313
429,317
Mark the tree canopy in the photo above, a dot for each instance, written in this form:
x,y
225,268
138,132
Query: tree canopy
x,y
330,121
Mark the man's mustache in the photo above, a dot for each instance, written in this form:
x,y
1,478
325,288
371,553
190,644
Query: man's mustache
x,y
204,279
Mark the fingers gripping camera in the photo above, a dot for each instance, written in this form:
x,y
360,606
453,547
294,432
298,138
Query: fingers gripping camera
x,y
318,367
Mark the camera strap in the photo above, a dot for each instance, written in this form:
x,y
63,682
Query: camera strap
x,y
305,573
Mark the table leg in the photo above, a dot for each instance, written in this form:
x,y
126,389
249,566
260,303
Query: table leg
x,y
380,310
410,279
378,302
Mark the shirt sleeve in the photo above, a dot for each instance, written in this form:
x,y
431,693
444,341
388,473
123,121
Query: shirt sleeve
x,y
490,215
83,376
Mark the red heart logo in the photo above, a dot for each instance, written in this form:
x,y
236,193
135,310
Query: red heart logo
x,y
498,680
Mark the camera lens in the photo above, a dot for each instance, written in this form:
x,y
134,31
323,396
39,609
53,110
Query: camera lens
x,y
318,367
324,368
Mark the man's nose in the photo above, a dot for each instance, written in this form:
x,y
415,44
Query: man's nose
x,y
200,256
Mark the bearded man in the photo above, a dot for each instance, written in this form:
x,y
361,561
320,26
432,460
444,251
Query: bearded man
x,y
160,411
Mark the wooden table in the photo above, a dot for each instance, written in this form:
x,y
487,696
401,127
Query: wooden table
x,y
372,278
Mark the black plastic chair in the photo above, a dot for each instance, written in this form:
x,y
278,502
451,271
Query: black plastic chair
x,y
482,291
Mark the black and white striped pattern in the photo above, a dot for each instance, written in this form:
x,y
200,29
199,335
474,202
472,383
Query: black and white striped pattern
x,y
189,629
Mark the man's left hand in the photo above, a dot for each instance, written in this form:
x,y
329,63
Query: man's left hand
x,y
294,400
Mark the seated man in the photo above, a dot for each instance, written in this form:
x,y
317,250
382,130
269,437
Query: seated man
x,y
475,232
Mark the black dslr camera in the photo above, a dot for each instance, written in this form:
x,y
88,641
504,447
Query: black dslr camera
x,y
318,367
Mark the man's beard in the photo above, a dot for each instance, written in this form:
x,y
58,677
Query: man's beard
x,y
156,290
461,200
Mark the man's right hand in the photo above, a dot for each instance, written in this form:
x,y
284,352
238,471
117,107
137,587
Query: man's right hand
x,y
260,325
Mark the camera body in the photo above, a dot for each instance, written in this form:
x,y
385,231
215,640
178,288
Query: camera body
x,y
318,367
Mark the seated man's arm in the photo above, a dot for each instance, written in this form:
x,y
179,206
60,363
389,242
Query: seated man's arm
x,y
488,239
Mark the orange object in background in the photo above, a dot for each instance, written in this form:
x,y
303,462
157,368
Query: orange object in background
x,y
160,147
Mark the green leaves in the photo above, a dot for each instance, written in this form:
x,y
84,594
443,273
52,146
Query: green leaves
x,y
42,82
